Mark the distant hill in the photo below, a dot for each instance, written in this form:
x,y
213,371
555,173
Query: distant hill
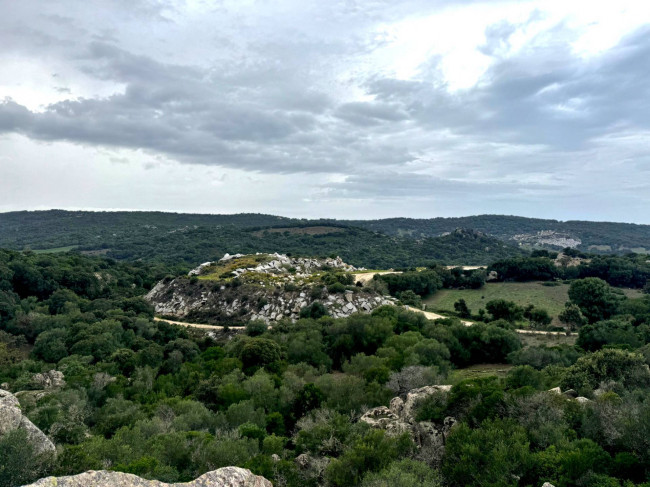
x,y
191,239
531,232
392,242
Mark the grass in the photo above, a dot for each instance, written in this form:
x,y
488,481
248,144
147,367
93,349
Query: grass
x,y
55,250
219,269
480,370
551,298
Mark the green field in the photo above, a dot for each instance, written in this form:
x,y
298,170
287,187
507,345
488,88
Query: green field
x,y
480,370
550,298
56,250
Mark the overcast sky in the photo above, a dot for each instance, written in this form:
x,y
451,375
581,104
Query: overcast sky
x,y
347,109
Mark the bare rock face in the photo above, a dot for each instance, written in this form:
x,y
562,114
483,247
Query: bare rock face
x,y
49,380
11,418
400,418
224,477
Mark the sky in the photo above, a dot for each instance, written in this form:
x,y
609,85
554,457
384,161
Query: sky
x,y
345,109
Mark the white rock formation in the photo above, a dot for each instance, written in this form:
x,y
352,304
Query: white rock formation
x,y
224,477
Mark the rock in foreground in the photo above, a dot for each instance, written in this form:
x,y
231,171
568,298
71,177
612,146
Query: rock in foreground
x,y
11,418
224,477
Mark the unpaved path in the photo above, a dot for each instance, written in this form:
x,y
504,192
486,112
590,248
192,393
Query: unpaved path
x,y
365,277
429,315
194,325
436,316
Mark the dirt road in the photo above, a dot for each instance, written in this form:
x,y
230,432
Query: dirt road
x,y
429,315
194,325
364,277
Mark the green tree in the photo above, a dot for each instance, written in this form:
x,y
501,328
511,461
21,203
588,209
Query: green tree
x,y
461,309
20,461
572,316
500,309
494,455
594,297
404,473
260,352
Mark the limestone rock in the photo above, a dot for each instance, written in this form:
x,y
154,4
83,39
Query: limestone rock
x,y
548,484
50,379
415,395
582,400
400,418
224,477
11,418
314,466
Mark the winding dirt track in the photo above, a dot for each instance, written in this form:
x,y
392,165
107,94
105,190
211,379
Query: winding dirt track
x,y
427,314
194,325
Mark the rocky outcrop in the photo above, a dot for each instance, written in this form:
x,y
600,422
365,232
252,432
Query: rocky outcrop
x,y
570,394
399,418
278,263
224,477
11,418
275,289
49,380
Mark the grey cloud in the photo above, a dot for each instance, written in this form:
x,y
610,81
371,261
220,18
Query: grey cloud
x,y
277,94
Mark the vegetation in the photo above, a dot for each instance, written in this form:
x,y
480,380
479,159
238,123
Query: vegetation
x,y
191,239
171,403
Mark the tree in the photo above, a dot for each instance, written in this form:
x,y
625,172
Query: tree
x,y
500,309
20,460
572,316
494,455
461,309
537,317
609,332
594,297
409,298
260,352
404,473
607,365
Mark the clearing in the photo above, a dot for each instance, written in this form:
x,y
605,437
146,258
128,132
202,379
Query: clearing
x,y
551,298
55,250
315,230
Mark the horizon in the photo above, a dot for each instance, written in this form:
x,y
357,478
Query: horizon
x,y
114,210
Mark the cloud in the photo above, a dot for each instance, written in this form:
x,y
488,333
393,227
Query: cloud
x,y
301,88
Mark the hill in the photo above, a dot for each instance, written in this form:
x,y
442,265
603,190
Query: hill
x,y
529,232
191,239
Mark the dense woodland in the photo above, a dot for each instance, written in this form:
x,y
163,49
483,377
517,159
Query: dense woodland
x,y
396,242
192,239
162,402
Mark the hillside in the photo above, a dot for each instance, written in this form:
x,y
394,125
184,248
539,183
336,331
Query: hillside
x,y
130,234
191,239
585,235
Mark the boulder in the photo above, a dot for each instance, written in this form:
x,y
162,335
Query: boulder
x,y
11,418
49,380
582,400
224,477
399,418
415,395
